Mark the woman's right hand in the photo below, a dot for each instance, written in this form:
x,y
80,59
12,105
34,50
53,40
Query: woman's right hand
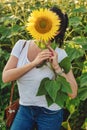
x,y
42,56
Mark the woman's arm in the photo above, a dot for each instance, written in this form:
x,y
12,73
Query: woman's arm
x,y
11,72
69,76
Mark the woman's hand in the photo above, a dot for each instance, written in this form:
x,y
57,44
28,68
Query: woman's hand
x,y
54,58
42,56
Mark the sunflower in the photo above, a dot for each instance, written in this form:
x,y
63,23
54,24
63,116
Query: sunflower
x,y
43,24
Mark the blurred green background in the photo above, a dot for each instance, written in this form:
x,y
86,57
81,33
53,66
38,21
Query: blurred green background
x,y
13,17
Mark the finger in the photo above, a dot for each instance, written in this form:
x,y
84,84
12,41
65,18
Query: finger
x,y
46,53
50,48
51,59
45,56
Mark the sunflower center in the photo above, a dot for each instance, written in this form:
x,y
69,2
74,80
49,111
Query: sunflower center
x,y
43,25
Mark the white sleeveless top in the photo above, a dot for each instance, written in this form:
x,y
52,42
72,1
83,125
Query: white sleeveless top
x,y
28,84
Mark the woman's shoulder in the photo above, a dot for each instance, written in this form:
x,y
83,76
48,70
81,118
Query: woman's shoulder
x,y
16,50
23,40
61,53
60,50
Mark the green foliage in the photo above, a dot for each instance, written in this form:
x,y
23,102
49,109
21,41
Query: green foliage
x,y
13,17
65,64
42,89
56,89
84,126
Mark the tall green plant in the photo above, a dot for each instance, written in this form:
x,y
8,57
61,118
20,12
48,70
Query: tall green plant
x,y
13,17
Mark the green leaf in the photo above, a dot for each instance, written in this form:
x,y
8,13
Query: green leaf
x,y
71,103
82,93
15,29
52,87
61,99
5,31
84,67
74,53
80,40
66,125
84,126
80,9
49,100
42,90
65,64
65,86
74,21
83,80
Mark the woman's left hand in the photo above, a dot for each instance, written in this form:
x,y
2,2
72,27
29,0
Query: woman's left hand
x,y
54,58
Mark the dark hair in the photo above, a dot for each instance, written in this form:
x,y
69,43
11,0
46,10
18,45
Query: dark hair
x,y
64,24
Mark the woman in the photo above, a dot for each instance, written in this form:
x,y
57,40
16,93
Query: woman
x,y
22,66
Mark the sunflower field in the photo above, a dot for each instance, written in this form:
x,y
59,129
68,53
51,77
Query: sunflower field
x,y
13,17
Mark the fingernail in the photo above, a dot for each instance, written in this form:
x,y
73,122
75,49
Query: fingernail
x,y
51,54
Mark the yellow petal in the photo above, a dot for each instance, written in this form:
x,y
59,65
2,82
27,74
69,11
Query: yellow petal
x,y
43,24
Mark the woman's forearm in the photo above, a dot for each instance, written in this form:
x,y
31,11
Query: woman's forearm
x,y
70,78
15,73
